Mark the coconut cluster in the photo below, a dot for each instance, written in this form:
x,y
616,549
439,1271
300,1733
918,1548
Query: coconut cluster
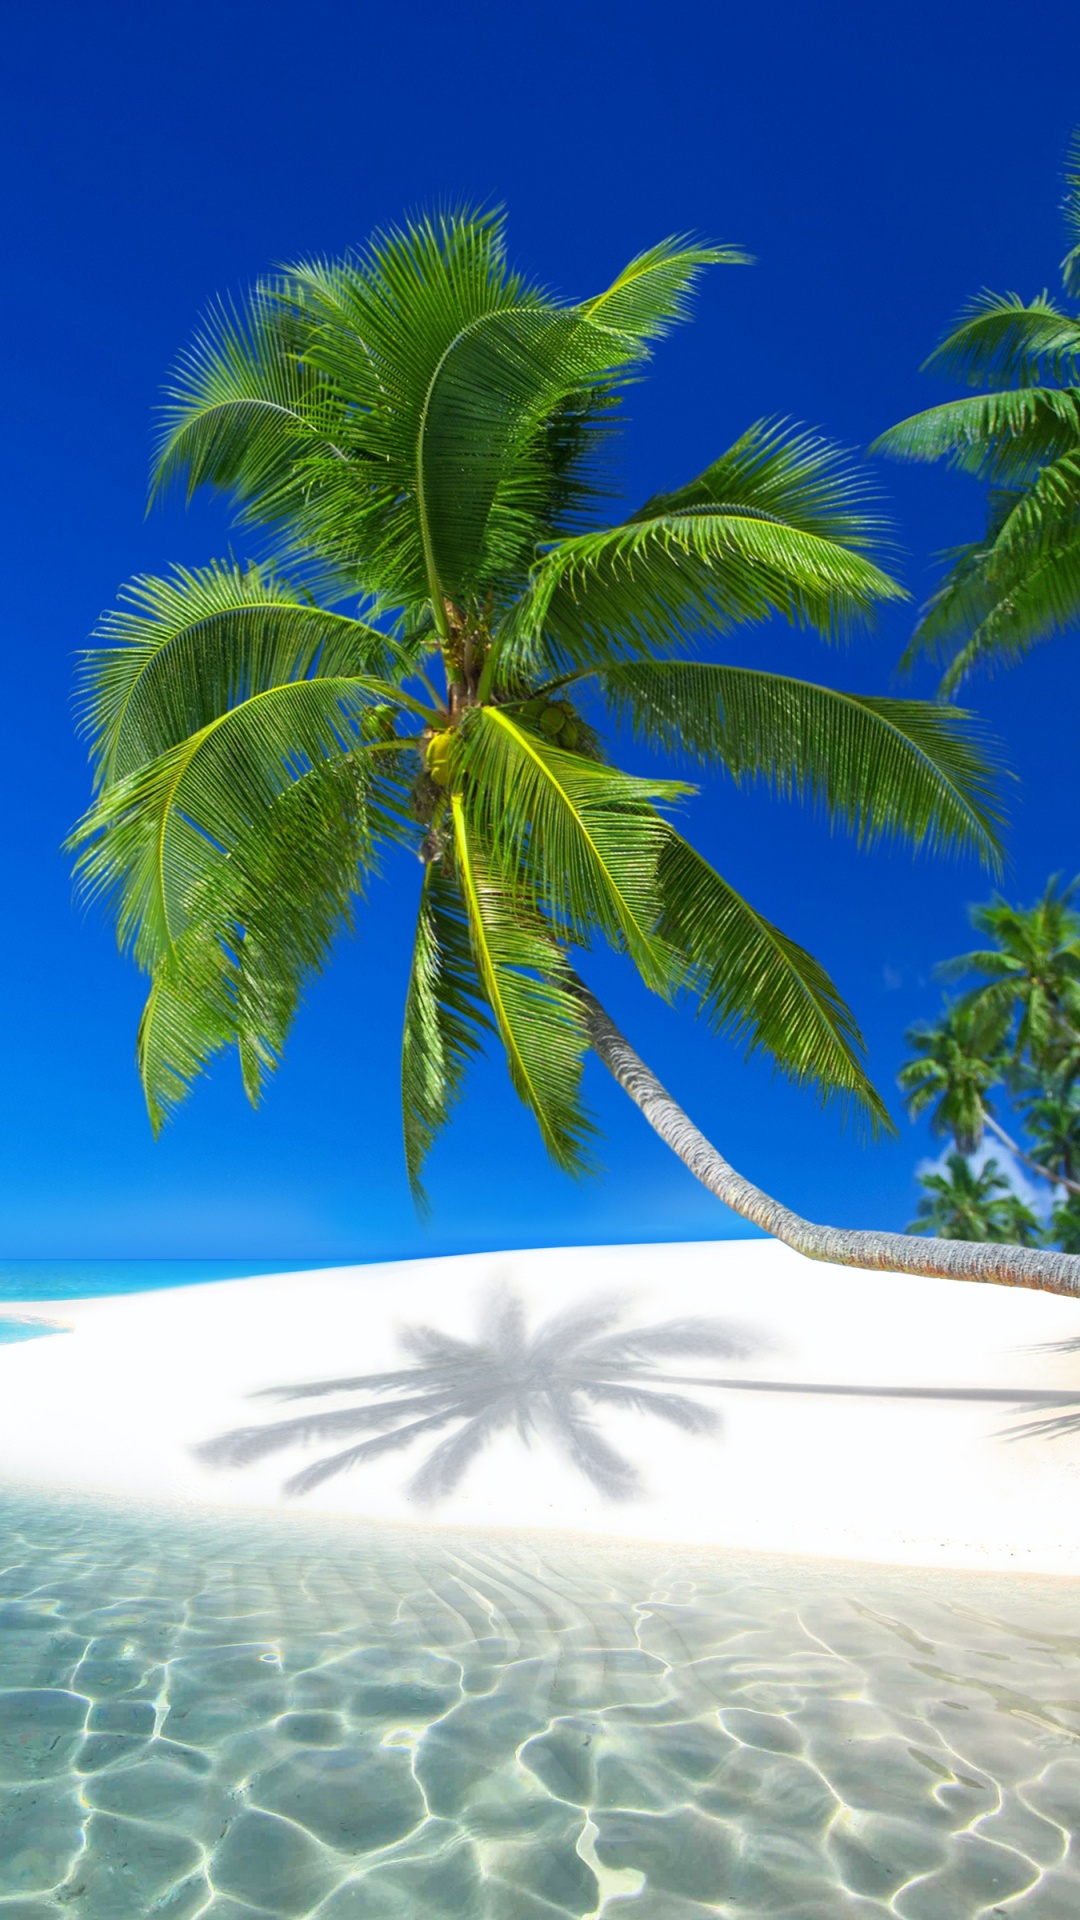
x,y
555,719
438,749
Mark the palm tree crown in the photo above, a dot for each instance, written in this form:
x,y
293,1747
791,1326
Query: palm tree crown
x,y
424,656
539,1384
966,1204
957,1060
1020,582
1031,980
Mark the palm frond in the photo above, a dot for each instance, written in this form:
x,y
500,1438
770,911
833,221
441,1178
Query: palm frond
x,y
576,1436
334,1463
484,479
651,294
444,1019
180,651
480,378
647,584
996,603
587,836
884,767
679,1411
1003,341
152,838
756,984
1003,437
781,471
639,1346
243,405
260,926
245,1446
538,1019
1070,266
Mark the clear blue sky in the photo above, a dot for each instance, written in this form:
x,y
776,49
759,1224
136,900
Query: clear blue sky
x,y
881,163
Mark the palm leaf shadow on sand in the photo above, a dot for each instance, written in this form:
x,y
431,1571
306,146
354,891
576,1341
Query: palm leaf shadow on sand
x,y
1059,1424
544,1385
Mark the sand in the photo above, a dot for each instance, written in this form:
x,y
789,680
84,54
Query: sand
x,y
861,1416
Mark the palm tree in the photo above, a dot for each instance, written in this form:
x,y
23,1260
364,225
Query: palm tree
x,y
1033,977
541,1385
1052,1117
958,1059
425,660
973,1206
1020,582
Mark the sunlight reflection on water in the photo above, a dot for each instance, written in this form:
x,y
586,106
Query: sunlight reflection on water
x,y
229,1715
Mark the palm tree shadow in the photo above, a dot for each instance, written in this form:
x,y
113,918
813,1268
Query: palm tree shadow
x,y
1059,1424
547,1384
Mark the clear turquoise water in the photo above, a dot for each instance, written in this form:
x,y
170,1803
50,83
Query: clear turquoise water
x,y
12,1330
89,1279
232,1718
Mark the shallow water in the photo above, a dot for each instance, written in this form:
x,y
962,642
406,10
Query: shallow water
x,y
13,1330
234,1716
90,1279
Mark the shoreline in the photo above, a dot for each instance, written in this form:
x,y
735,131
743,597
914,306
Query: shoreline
x,y
860,1417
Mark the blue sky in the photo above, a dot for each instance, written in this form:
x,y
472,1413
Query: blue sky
x,y
881,164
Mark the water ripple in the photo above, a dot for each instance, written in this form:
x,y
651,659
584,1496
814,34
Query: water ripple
x,y
233,1718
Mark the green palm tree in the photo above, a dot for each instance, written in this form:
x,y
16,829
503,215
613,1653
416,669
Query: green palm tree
x,y
1052,1118
540,1385
1032,974
958,1060
1019,583
973,1206
427,658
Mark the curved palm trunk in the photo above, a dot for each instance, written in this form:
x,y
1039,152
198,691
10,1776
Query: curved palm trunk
x,y
1006,1266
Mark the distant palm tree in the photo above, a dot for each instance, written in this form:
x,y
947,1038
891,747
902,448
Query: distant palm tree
x,y
1052,1117
968,1205
1032,974
958,1059
1020,582
541,1384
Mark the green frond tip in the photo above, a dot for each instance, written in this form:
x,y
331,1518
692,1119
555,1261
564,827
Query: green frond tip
x,y
1003,341
1070,266
754,983
651,294
884,768
779,470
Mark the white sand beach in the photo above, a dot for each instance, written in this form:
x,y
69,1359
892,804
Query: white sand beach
x,y
862,1415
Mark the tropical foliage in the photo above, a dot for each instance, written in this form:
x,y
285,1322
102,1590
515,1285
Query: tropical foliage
x,y
545,1385
439,630
1014,1035
970,1204
1019,583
